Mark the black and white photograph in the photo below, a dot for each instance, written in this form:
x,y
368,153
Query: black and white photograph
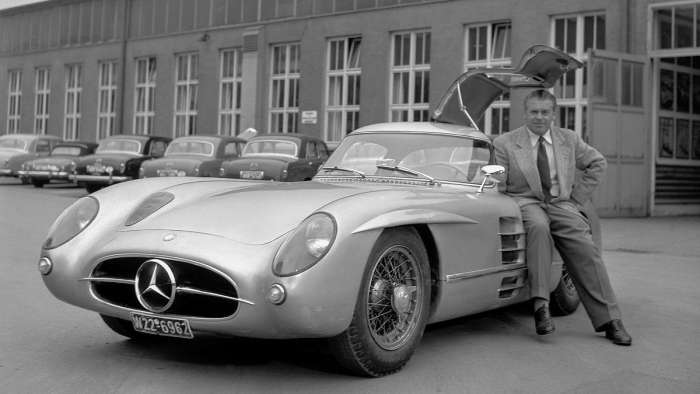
x,y
350,196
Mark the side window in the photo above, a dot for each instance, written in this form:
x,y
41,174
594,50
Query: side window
x,y
322,151
42,147
232,149
311,150
158,148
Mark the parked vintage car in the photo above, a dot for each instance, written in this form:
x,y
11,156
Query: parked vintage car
x,y
117,159
278,157
16,149
59,165
403,226
194,156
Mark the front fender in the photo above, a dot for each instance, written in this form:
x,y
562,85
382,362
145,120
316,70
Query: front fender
x,y
404,217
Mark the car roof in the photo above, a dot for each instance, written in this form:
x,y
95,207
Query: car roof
x,y
423,128
288,136
82,144
210,138
30,136
131,137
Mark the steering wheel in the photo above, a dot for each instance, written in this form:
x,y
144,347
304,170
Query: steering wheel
x,y
450,167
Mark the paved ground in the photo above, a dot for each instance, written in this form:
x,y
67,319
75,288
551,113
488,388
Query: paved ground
x,y
50,347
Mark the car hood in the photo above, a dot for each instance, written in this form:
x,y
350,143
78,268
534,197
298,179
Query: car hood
x,y
60,160
263,159
253,213
5,154
179,161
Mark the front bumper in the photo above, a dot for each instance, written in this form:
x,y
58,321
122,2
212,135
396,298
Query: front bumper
x,y
7,172
319,302
101,179
62,175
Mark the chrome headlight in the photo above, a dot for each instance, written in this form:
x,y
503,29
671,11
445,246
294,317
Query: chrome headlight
x,y
153,203
72,221
222,171
306,246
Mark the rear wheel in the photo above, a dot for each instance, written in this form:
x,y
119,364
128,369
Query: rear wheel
x,y
122,327
564,300
38,183
392,307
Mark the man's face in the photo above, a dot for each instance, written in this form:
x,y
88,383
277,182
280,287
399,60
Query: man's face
x,y
539,115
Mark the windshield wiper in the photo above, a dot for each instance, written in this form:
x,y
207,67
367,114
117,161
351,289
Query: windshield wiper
x,y
409,171
352,170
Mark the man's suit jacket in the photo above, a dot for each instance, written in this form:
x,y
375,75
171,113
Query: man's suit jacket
x,y
515,152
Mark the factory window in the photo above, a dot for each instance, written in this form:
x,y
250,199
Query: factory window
x,y
186,90
106,99
145,95
284,89
230,77
74,89
342,87
42,89
14,102
488,45
409,84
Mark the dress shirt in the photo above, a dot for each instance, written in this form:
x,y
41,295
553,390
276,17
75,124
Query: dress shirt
x,y
534,140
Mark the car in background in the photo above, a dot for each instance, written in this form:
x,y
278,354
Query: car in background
x,y
16,149
59,165
117,159
278,157
194,156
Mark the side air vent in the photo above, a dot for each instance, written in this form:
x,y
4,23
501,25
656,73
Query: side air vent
x,y
511,284
512,237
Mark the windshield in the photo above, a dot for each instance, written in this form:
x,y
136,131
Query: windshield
x,y
270,147
443,157
13,143
120,145
190,147
66,150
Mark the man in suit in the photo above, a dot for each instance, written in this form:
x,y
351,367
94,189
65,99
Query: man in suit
x,y
541,162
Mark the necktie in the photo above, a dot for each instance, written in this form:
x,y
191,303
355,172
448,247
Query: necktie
x,y
543,168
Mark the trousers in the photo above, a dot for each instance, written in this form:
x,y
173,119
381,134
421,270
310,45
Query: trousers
x,y
562,224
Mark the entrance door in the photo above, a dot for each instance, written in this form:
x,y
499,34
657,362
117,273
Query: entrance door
x,y
618,126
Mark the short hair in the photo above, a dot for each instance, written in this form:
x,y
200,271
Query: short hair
x,y
540,94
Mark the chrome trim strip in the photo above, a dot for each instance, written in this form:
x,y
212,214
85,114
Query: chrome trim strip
x,y
484,272
513,233
109,280
191,290
511,249
99,178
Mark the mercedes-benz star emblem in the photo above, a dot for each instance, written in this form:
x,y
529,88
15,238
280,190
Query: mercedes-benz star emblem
x,y
155,285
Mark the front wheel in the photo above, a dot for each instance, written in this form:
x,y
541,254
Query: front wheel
x,y
564,300
392,307
91,187
38,183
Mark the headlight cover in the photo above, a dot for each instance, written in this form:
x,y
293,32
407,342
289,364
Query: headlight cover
x,y
72,221
306,246
153,203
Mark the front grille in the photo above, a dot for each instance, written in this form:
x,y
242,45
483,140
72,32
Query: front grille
x,y
201,292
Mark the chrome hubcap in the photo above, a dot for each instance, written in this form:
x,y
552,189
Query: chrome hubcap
x,y
395,298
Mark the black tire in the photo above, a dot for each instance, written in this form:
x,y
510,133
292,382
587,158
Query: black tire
x,y
91,187
122,327
395,293
24,180
38,183
564,300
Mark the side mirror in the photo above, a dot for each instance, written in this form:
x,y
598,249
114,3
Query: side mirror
x,y
489,171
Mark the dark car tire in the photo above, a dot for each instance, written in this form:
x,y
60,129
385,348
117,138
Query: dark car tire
x,y
122,327
38,183
24,180
91,188
374,351
564,300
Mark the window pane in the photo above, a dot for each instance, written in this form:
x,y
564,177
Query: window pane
x,y
666,95
683,92
696,140
682,139
665,137
663,22
696,94
684,26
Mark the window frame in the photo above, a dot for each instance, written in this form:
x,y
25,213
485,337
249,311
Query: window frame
x,y
144,121
109,117
41,99
233,114
412,69
191,85
345,73
14,101
287,78
71,120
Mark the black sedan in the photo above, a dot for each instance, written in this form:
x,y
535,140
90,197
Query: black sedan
x,y
194,156
117,159
278,157
59,165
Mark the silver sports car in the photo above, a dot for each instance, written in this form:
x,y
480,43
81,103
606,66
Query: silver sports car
x,y
402,227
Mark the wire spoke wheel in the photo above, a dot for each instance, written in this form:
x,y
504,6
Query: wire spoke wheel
x,y
394,298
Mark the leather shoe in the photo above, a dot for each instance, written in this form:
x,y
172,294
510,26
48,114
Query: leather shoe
x,y
615,331
543,321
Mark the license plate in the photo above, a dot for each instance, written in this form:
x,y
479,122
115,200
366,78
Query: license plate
x,y
252,174
179,328
167,172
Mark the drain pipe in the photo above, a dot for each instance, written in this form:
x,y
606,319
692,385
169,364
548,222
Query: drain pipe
x,y
122,79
